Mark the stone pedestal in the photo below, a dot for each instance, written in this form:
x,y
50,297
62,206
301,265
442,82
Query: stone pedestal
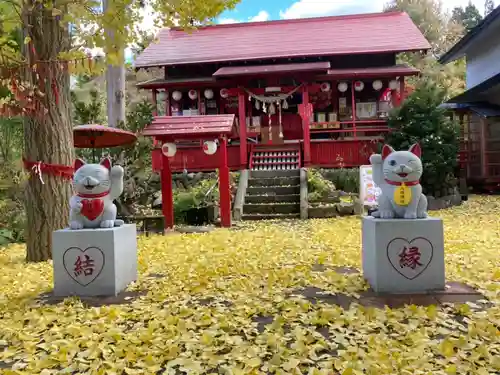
x,y
94,262
403,255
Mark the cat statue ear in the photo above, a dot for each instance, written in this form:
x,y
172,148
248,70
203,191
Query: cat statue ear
x,y
386,151
106,162
416,150
78,164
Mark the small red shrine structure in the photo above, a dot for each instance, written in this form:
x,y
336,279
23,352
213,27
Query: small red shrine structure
x,y
304,92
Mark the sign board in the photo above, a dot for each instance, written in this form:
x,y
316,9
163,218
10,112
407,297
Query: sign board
x,y
368,191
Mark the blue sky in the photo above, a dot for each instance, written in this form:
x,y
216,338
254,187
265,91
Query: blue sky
x,y
263,10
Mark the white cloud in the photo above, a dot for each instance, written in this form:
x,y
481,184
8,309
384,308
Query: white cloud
x,y
261,16
226,21
318,8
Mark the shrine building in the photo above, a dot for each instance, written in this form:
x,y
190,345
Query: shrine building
x,y
277,95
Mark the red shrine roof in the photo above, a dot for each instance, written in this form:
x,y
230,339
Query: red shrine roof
x,y
322,36
231,71
189,126
396,70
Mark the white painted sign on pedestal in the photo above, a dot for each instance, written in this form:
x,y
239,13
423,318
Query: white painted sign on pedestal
x,y
410,258
403,256
94,262
84,266
368,190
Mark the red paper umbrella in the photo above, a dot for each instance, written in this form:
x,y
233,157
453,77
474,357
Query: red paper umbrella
x,y
99,136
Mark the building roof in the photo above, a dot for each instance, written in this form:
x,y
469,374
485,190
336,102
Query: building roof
x,y
190,126
460,48
480,108
476,93
396,70
231,71
162,82
322,36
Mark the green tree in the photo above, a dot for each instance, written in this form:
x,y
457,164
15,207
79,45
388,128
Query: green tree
x,y
139,182
442,32
144,40
82,79
420,119
429,17
489,5
469,16
46,34
11,140
88,113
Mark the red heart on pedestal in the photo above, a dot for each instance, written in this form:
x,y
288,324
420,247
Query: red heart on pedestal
x,y
92,208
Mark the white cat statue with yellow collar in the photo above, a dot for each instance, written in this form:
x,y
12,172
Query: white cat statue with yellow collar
x,y
397,174
96,186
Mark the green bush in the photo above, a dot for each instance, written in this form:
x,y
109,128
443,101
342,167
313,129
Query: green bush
x,y
12,213
345,179
420,119
317,186
204,193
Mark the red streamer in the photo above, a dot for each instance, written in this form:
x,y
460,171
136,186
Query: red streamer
x,y
38,168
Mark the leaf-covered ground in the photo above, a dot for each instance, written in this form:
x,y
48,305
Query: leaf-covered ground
x,y
206,314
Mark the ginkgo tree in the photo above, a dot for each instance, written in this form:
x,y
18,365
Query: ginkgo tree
x,y
54,33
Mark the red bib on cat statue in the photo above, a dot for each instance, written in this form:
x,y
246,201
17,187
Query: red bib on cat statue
x,y
92,208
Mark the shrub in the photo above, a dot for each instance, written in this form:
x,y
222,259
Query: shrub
x,y
345,179
12,213
317,186
204,193
420,119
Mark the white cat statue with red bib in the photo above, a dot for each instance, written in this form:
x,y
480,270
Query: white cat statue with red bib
x,y
96,186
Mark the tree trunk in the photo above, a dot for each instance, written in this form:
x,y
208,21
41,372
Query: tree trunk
x,y
115,93
47,139
115,82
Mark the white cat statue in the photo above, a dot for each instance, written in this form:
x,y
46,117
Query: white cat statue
x,y
96,186
397,174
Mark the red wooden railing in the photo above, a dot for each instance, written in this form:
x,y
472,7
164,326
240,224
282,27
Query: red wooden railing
x,y
338,154
195,160
324,153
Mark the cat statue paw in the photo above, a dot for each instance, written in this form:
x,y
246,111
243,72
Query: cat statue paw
x,y
96,187
397,174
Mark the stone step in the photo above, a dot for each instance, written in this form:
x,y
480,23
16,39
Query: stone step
x,y
271,208
273,190
275,173
291,198
274,181
270,216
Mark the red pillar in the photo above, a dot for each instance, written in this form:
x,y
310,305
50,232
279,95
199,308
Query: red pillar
x,y
305,126
167,195
224,187
243,129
